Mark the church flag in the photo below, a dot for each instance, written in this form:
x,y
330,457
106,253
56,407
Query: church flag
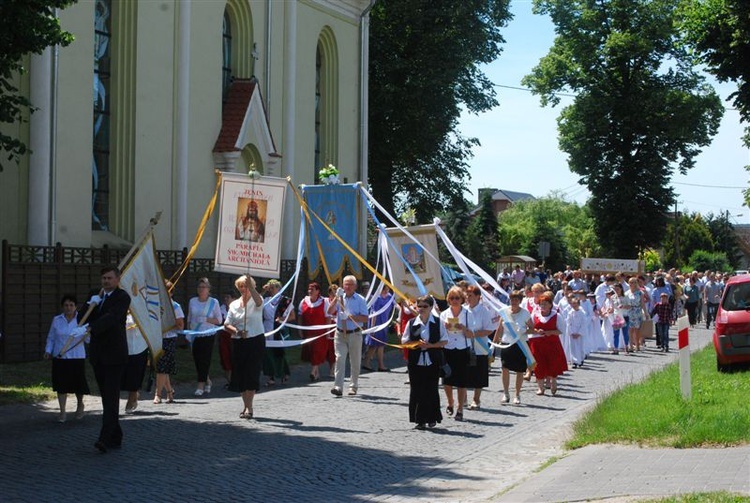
x,y
340,207
250,219
150,305
419,261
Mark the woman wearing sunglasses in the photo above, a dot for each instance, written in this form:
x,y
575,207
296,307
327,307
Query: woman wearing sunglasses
x,y
425,360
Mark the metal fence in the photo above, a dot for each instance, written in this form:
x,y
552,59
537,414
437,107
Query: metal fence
x,y
34,279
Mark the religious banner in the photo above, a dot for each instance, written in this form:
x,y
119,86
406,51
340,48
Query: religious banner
x,y
150,304
612,265
420,263
250,219
340,207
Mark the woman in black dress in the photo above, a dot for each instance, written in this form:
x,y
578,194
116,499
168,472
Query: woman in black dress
x,y
425,360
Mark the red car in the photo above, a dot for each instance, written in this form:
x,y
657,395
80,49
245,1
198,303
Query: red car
x,y
732,332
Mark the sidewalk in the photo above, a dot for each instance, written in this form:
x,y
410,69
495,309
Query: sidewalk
x,y
307,445
600,472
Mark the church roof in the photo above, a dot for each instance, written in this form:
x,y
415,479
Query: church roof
x,y
243,103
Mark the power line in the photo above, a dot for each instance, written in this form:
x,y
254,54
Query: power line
x,y
701,203
708,186
567,95
516,88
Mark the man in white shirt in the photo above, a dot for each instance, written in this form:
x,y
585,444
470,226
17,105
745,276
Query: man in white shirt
x,y
351,313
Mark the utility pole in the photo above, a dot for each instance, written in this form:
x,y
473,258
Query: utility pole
x,y
676,235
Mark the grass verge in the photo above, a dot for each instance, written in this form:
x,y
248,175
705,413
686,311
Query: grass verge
x,y
653,412
31,382
715,497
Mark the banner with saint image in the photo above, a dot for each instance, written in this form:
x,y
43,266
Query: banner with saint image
x,y
250,219
413,253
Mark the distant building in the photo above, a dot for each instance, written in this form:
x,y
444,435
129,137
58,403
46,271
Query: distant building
x,y
501,199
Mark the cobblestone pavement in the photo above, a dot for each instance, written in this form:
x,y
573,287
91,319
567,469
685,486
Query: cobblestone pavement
x,y
305,444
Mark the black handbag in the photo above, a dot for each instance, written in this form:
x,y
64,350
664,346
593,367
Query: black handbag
x,y
445,369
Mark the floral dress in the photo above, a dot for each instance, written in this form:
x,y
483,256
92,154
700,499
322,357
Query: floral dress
x,y
635,313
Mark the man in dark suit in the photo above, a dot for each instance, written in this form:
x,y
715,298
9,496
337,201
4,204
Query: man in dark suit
x,y
108,352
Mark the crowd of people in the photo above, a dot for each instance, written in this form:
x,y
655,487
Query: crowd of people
x,y
537,324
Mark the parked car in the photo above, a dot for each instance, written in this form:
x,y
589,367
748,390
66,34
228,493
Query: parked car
x,y
732,328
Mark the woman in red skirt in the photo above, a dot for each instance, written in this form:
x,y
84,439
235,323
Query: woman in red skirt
x,y
312,311
545,345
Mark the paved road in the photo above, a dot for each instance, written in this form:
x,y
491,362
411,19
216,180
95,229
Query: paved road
x,y
305,444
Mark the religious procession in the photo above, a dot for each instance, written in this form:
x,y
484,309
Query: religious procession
x,y
449,330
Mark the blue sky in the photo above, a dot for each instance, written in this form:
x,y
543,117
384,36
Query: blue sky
x,y
519,149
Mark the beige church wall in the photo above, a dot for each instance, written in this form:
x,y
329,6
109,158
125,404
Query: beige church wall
x,y
154,118
74,128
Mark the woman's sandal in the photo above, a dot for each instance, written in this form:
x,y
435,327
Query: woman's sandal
x,y
449,410
540,392
246,414
170,396
157,399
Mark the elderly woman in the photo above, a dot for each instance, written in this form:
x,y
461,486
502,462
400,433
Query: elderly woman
x,y
511,356
204,314
545,345
479,326
312,312
454,328
68,368
424,364
245,323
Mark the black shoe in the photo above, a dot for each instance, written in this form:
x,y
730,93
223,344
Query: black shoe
x,y
420,426
101,446
459,416
432,424
336,391
449,410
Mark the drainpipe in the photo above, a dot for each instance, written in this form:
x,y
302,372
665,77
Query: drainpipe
x,y
182,132
267,76
40,94
53,142
290,122
364,63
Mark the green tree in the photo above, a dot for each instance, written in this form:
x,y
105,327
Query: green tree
x,y
691,233
651,259
568,228
639,111
482,236
425,58
724,237
455,222
26,26
719,31
702,260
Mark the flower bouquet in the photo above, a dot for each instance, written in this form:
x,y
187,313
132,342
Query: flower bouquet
x,y
329,175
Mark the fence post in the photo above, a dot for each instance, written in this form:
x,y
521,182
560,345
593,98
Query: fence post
x,y
683,326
